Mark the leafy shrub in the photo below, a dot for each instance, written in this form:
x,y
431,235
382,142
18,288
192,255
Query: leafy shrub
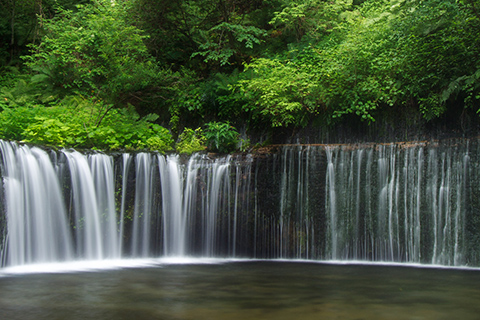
x,y
13,122
281,92
221,137
191,141
45,130
91,124
162,142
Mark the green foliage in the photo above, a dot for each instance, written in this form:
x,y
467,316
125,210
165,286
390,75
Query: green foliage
x,y
186,98
161,141
228,100
197,98
437,45
223,39
18,27
92,52
191,141
312,18
284,93
383,53
13,122
276,63
173,27
431,106
216,33
221,137
88,124
51,131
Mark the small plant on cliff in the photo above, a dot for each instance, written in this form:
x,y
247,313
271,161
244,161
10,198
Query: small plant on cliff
x,y
221,137
191,141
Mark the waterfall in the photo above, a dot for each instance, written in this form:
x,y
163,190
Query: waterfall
x,y
399,202
125,169
37,229
174,212
88,230
414,211
103,179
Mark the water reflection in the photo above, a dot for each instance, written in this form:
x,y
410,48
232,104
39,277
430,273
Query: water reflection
x,y
245,290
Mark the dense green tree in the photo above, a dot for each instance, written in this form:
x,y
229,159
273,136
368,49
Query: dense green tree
x,y
202,34
20,24
86,70
386,54
254,64
93,52
311,18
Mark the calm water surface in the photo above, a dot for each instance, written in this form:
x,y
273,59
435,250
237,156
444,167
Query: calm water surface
x,y
244,290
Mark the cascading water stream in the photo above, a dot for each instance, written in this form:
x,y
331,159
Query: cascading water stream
x,y
103,179
125,169
88,230
36,220
415,203
174,212
142,214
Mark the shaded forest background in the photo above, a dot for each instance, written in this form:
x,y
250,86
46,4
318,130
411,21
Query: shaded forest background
x,y
234,74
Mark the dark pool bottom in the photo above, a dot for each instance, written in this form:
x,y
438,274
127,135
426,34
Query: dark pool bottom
x,y
245,290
